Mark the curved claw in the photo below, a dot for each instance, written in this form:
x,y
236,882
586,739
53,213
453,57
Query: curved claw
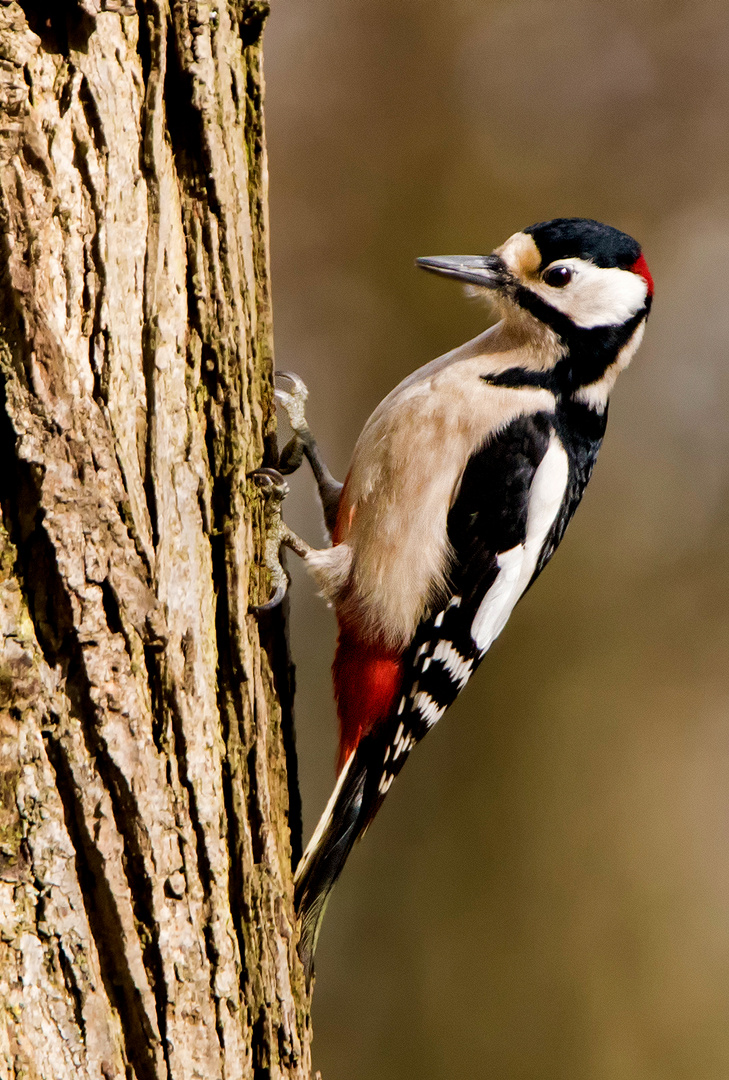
x,y
267,473
299,386
271,482
260,609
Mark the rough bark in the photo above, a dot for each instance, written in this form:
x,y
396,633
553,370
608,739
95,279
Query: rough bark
x,y
146,920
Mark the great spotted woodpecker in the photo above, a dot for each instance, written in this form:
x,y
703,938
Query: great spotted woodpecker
x,y
461,486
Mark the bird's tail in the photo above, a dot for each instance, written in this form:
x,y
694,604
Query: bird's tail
x,y
354,802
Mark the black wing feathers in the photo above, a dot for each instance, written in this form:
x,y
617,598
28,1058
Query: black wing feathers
x,y
489,513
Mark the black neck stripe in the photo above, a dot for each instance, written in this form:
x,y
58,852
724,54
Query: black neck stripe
x,y
516,378
540,309
589,350
579,415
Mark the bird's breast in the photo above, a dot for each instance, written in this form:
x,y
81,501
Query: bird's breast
x,y
405,472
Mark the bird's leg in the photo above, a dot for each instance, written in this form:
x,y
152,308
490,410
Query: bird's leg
x,y
275,489
303,444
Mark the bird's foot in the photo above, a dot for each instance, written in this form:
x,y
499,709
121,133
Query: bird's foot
x,y
293,401
303,444
274,490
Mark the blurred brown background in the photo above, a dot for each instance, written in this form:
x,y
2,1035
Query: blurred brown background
x,y
545,894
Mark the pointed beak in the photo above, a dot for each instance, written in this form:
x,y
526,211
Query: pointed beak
x,y
488,271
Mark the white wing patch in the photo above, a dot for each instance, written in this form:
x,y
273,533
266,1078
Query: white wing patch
x,y
496,606
517,565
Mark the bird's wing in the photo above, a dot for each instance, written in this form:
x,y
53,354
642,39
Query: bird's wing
x,y
502,517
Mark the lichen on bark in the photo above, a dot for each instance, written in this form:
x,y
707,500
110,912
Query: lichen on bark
x,y
146,748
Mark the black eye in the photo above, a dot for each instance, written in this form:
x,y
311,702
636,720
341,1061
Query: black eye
x,y
558,277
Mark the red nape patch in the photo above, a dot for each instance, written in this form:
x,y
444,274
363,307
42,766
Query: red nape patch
x,y
640,267
367,680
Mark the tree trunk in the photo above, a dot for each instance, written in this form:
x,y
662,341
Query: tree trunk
x,y
146,748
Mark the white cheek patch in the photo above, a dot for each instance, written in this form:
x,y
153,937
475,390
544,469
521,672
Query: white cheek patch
x,y
517,565
596,295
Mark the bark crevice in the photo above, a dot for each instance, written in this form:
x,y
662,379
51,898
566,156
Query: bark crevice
x,y
107,927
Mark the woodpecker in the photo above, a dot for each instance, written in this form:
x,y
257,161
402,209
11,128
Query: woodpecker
x,y
460,488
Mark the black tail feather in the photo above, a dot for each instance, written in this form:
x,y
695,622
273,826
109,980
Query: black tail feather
x,y
353,804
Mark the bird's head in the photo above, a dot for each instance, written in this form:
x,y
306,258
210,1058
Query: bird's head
x,y
586,282
592,274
